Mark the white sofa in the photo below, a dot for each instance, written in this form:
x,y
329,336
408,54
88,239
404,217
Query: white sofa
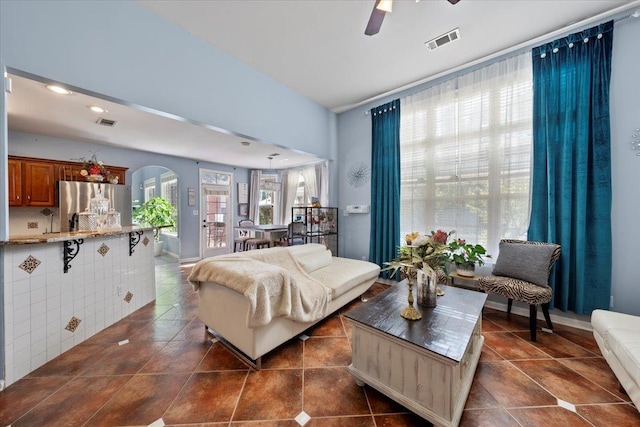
x,y
226,311
618,336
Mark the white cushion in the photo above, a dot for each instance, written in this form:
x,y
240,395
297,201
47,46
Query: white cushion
x,y
625,344
604,320
314,261
306,249
345,273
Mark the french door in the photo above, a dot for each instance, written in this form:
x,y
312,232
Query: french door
x,y
215,215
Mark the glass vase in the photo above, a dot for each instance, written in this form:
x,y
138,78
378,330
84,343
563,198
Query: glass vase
x,y
427,287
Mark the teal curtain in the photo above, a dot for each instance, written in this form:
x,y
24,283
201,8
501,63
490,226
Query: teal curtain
x,y
385,183
571,183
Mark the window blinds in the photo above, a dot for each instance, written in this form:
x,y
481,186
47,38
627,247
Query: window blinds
x,y
465,148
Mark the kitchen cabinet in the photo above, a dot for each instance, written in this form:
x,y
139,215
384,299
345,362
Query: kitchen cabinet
x,y
39,184
14,172
70,171
31,183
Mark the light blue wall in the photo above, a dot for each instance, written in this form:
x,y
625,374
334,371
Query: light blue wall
x,y
31,145
121,50
625,166
354,134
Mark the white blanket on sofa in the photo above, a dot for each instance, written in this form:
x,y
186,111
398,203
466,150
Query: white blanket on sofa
x,y
273,282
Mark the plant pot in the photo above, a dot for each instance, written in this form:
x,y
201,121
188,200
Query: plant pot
x,y
466,270
157,247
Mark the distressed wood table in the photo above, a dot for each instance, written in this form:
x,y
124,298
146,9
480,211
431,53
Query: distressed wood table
x,y
425,365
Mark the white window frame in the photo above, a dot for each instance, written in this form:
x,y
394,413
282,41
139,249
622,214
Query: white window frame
x,y
167,180
149,189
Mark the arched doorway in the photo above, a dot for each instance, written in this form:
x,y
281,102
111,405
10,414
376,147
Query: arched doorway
x,y
158,181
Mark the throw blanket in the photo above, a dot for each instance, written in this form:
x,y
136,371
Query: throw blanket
x,y
273,282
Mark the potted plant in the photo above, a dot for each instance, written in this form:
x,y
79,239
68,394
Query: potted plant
x,y
466,256
157,213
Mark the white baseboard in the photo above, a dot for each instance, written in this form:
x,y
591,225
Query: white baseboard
x,y
559,319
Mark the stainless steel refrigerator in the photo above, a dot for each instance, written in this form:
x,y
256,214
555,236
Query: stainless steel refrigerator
x,y
75,197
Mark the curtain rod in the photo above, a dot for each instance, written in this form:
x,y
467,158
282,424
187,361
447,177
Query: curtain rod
x,y
513,49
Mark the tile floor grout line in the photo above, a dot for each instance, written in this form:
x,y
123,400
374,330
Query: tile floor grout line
x,y
235,407
86,423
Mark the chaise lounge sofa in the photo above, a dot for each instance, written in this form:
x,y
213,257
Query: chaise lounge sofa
x,y
256,300
618,336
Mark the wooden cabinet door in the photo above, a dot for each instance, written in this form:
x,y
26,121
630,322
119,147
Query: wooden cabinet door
x,y
39,184
15,182
119,172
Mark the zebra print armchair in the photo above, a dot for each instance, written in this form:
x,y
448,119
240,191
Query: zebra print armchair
x,y
521,273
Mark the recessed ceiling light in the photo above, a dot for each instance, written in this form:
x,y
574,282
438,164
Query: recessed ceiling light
x,y
245,143
97,109
58,89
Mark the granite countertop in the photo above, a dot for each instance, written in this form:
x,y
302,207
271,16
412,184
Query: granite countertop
x,y
61,237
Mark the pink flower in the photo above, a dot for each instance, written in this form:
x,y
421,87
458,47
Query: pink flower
x,y
461,241
440,236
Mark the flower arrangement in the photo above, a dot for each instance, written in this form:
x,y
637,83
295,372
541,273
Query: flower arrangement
x,y
93,167
421,250
465,254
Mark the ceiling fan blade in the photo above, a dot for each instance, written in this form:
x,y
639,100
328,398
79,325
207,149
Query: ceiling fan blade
x,y
375,20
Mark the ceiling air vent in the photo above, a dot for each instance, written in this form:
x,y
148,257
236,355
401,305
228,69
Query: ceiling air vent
x,y
106,122
440,41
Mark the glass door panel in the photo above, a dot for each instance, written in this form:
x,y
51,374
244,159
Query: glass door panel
x,y
216,220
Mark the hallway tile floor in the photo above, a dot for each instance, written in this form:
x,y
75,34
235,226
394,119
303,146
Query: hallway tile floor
x,y
171,371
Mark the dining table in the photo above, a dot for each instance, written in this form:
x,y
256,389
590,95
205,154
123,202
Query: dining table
x,y
272,232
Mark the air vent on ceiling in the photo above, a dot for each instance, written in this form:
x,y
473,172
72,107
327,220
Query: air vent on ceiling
x,y
440,41
106,122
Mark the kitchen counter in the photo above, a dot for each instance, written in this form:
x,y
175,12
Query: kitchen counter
x,y
65,236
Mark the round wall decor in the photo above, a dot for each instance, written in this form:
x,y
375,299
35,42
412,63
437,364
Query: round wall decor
x,y
358,174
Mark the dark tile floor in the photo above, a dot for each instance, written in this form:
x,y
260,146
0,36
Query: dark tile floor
x,y
171,371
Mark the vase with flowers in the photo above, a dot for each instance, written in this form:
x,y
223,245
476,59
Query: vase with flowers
x,y
93,169
418,261
466,256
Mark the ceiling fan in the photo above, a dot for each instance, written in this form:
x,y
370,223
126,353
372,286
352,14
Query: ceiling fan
x,y
380,8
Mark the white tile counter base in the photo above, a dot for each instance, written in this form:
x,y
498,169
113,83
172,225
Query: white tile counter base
x,y
39,305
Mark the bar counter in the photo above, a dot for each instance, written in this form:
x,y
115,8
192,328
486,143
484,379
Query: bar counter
x,y
61,237
60,289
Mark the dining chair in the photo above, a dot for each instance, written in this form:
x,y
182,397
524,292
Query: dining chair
x,y
253,242
240,242
296,233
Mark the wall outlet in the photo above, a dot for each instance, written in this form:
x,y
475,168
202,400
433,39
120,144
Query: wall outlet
x,y
364,258
120,290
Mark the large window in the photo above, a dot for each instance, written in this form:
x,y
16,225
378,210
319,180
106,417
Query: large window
x,y
267,206
466,152
169,191
149,189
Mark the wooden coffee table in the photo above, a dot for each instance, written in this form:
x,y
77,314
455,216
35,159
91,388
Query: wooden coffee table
x,y
425,365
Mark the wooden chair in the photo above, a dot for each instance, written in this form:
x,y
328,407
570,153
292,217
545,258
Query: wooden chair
x,y
240,242
254,242
521,273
